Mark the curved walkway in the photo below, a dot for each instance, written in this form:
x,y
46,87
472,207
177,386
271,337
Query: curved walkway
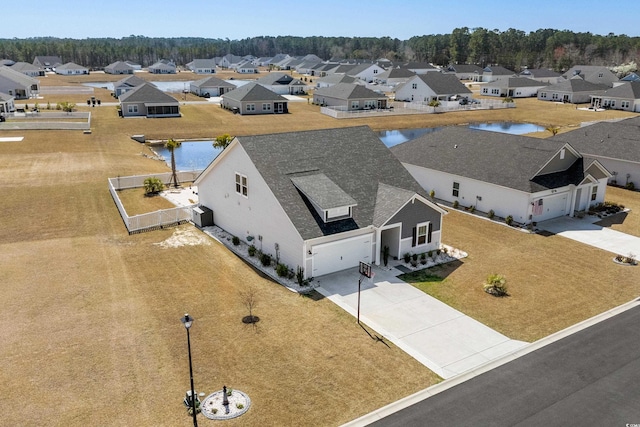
x,y
443,339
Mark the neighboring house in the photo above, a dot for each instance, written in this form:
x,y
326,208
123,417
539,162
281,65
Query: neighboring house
x,y
6,103
542,75
126,84
245,67
229,60
529,179
513,87
263,61
631,77
496,72
625,96
17,85
427,87
575,90
118,67
593,74
306,67
71,69
349,97
147,100
282,83
253,98
465,71
211,86
28,69
394,76
365,72
47,63
303,193
615,145
334,79
163,67
7,62
324,69
419,67
134,65
202,66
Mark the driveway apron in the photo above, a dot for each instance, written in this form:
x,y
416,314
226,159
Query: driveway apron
x,y
443,339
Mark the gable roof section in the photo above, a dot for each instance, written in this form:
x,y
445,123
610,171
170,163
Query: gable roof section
x,y
442,84
348,91
465,68
253,92
331,152
119,66
396,73
17,77
501,159
577,84
147,94
203,63
70,66
513,82
24,67
131,81
336,78
497,70
282,79
47,61
212,82
627,90
322,191
631,77
539,73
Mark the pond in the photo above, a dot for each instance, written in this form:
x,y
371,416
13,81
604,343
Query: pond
x,y
195,155
172,87
395,137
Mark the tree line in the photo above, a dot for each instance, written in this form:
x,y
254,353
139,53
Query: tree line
x,y
513,49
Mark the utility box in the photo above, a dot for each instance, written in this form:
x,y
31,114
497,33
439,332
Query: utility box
x,y
202,216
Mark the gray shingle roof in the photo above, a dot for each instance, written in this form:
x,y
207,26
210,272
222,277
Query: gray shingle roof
x,y
131,81
620,140
212,82
507,160
17,77
353,158
497,70
443,84
539,73
283,79
148,94
348,91
70,66
396,73
336,78
203,63
627,90
253,92
322,191
577,84
465,68
514,82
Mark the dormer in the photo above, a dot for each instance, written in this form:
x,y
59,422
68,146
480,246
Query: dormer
x,y
330,201
560,161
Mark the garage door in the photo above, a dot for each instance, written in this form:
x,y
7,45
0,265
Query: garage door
x,y
340,255
553,207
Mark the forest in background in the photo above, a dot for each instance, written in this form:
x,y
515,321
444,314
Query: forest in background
x,y
513,49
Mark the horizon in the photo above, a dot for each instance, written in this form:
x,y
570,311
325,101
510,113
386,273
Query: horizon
x,y
397,20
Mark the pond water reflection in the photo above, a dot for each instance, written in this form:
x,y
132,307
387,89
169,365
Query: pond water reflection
x,y
191,155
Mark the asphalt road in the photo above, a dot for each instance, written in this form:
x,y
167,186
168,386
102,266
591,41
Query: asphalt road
x,y
590,378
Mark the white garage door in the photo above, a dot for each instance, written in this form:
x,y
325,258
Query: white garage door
x,y
336,256
553,207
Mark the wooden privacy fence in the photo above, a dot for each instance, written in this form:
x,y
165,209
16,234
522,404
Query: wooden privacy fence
x,y
151,220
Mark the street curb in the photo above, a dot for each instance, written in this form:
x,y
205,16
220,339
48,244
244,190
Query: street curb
x,y
421,395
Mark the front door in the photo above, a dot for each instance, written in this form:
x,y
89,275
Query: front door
x,y
390,237
278,108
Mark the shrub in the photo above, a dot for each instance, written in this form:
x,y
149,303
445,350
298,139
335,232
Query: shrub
x,y
423,256
429,254
455,204
630,186
414,257
496,285
239,405
508,220
235,240
252,250
265,259
491,214
406,257
153,185
432,194
434,103
282,270
438,251
472,209
300,275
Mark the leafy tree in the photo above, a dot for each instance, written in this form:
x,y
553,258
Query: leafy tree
x,y
222,141
153,185
171,145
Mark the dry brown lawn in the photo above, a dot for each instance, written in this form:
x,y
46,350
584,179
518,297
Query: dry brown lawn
x,y
91,332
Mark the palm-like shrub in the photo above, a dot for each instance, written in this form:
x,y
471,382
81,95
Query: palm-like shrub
x,y
496,285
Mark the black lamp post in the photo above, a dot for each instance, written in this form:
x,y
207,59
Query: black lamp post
x,y
187,321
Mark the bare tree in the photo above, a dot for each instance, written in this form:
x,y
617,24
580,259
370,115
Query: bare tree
x,y
249,298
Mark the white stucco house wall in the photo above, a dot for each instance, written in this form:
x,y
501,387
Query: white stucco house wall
x,y
424,88
302,192
529,179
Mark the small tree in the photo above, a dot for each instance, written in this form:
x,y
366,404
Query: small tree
x,y
222,141
553,129
249,298
152,186
171,145
67,107
434,103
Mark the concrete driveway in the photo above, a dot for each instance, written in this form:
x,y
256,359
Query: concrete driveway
x,y
443,339
584,230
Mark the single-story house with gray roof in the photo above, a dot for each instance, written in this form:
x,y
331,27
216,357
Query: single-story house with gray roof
x,y
118,67
211,86
48,63
596,74
302,192
615,145
71,69
513,87
163,66
465,71
624,96
496,72
126,84
282,83
425,88
148,101
529,179
28,69
334,79
542,75
202,66
576,90
16,84
349,97
394,76
253,98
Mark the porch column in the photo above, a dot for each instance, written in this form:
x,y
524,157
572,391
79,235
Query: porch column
x,y
378,245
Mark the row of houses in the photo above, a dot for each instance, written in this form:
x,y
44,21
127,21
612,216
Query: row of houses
x,y
302,192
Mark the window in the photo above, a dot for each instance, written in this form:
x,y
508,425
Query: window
x,y
543,94
241,185
355,104
624,104
414,86
562,154
485,90
554,96
132,108
422,233
594,193
456,189
600,75
266,107
375,71
251,107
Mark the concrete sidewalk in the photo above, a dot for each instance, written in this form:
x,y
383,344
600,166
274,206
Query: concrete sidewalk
x,y
584,230
443,339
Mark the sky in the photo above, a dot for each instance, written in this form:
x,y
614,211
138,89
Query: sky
x,y
239,19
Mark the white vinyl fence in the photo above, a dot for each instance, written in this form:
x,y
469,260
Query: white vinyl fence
x,y
152,220
404,108
43,121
